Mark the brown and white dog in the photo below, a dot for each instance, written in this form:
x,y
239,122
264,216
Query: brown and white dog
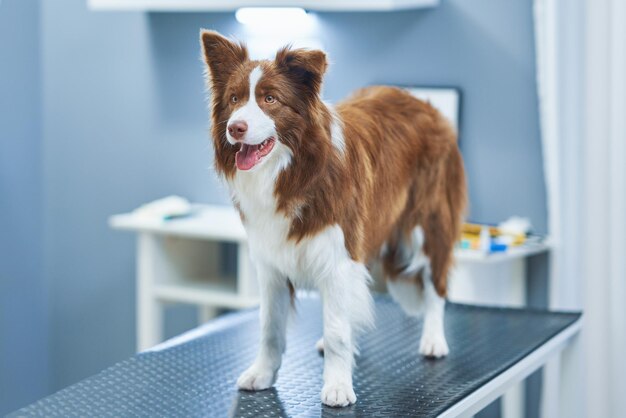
x,y
323,190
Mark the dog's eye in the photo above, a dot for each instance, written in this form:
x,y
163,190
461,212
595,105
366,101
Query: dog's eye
x,y
234,99
270,99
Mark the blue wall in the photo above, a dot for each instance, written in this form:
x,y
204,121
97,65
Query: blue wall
x,y
125,121
109,146
486,47
23,320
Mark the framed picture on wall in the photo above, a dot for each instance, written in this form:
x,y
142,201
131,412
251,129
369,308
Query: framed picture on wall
x,y
445,99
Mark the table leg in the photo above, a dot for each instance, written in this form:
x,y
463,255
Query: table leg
x,y
149,309
206,313
501,284
246,281
562,392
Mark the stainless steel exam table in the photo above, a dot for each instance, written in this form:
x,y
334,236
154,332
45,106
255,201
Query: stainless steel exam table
x,y
194,375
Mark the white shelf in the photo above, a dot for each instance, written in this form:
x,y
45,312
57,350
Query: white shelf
x,y
178,261
223,223
511,254
219,223
203,294
231,5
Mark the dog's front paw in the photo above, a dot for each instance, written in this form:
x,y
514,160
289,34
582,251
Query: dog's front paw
x,y
434,345
256,378
338,394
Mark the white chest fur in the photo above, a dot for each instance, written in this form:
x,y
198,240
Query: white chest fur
x,y
304,262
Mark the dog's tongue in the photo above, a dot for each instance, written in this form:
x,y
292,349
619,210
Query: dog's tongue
x,y
247,156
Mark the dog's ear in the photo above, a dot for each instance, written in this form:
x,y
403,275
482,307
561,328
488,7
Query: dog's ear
x,y
221,55
305,67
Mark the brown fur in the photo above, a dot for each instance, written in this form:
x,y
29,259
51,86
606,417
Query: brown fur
x,y
402,167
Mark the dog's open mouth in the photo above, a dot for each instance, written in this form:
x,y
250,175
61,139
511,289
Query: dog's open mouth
x,y
250,155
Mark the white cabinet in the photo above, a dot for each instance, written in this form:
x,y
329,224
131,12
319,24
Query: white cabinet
x,y
178,261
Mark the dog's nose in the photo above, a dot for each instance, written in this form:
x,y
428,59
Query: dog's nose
x,y
238,129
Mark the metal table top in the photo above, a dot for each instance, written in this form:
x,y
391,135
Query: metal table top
x,y
194,375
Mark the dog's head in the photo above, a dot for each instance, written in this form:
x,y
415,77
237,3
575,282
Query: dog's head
x,y
264,112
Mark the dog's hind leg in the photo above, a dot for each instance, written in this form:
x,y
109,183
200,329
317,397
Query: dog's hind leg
x,y
433,342
409,280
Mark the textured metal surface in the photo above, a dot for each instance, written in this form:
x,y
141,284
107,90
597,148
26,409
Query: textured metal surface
x,y
197,378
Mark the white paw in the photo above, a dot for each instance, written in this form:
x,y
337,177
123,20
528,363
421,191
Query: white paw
x,y
338,394
256,378
319,345
434,345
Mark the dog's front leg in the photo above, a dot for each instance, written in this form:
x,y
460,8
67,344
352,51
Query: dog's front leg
x,y
274,294
338,343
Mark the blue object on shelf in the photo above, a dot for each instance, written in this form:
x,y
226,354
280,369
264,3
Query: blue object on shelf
x,y
498,248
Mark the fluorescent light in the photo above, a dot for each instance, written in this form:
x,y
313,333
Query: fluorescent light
x,y
264,16
265,47
266,29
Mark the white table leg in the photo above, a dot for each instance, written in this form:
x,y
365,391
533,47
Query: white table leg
x,y
149,309
501,284
550,388
562,393
246,280
206,313
514,400
572,392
